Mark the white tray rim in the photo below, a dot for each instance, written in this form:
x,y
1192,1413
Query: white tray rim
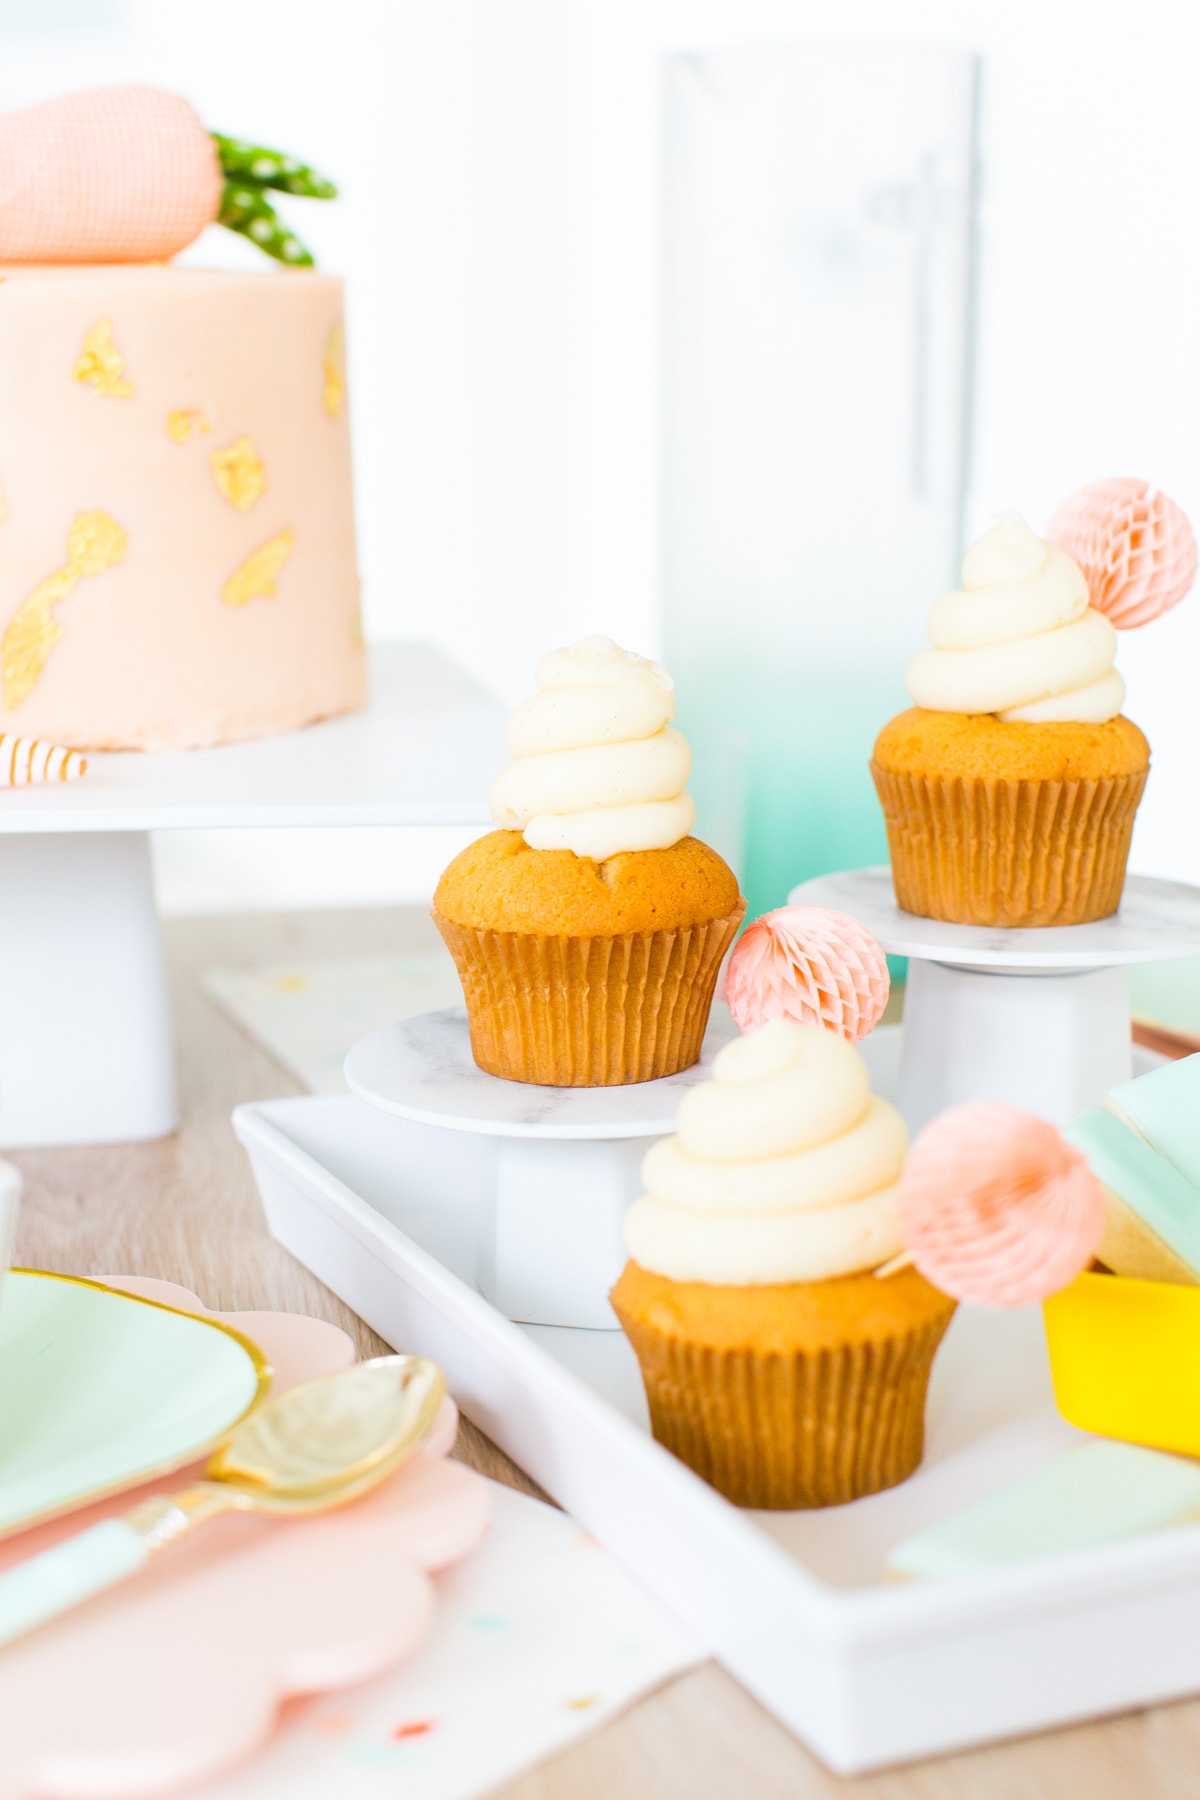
x,y
849,1623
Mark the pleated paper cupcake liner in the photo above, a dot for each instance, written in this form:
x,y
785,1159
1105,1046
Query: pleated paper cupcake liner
x,y
786,1430
988,851
588,1012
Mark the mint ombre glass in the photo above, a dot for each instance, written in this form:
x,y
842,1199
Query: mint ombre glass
x,y
818,226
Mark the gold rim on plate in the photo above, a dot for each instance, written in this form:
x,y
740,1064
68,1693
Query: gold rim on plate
x,y
264,1375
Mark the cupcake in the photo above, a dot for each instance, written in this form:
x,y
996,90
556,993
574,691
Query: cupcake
x,y
1009,790
776,1364
589,930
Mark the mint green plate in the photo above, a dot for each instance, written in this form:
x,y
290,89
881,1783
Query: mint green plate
x,y
100,1390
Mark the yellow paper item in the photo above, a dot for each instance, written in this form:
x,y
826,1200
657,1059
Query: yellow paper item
x,y
1125,1358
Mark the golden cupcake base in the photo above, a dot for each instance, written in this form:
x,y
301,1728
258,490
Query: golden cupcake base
x,y
1008,853
588,1011
804,1394
1010,824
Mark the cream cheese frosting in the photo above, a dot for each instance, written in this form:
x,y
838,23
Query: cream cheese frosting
x,y
784,1168
1019,638
597,766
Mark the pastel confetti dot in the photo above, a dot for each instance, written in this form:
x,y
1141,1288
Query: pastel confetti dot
x,y
413,1728
582,1703
333,1723
291,984
385,1756
488,1622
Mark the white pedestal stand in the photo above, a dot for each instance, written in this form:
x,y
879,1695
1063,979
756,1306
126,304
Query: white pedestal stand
x,y
85,1053
85,1044
1036,1018
566,1165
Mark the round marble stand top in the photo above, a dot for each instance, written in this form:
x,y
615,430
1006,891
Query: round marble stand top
x,y
1157,921
422,1069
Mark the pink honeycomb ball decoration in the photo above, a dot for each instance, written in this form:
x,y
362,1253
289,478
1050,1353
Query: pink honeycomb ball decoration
x,y
1135,547
812,965
996,1207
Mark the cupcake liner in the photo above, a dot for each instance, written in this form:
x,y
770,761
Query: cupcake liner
x,y
789,1429
588,1011
988,851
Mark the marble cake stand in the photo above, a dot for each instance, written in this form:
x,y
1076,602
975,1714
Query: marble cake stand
x,y
540,1262
1037,1018
85,1032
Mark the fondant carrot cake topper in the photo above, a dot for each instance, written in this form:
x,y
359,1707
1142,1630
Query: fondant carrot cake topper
x,y
131,174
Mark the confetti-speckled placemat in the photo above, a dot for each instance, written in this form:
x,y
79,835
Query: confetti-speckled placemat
x,y
308,1015
539,1638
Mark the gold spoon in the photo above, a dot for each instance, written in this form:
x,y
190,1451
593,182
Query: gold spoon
x,y
314,1448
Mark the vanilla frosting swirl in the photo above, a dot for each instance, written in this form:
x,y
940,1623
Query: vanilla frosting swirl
x,y
1018,638
597,767
784,1168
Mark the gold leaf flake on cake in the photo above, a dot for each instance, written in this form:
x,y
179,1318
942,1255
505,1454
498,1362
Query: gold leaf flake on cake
x,y
101,364
255,579
335,370
182,421
239,474
95,543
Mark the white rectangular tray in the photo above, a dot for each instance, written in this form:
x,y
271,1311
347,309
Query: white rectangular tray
x,y
795,1605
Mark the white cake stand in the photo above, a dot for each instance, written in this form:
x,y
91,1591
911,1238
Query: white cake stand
x,y
566,1159
1037,1018
85,1042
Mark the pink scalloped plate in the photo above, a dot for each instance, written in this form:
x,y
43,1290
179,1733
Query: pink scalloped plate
x,y
298,1348
178,1675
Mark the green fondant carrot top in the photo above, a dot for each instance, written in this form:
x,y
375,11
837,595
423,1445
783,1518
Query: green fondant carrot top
x,y
249,170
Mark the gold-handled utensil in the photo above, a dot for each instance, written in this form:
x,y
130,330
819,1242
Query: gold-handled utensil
x,y
316,1447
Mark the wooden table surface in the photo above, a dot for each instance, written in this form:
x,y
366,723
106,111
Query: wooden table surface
x,y
186,1210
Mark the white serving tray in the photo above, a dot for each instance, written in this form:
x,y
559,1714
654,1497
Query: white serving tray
x,y
796,1606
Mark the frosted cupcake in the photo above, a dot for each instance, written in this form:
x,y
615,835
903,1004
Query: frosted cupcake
x,y
775,1364
1009,790
588,931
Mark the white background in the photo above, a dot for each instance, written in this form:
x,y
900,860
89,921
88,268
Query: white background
x,y
499,234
